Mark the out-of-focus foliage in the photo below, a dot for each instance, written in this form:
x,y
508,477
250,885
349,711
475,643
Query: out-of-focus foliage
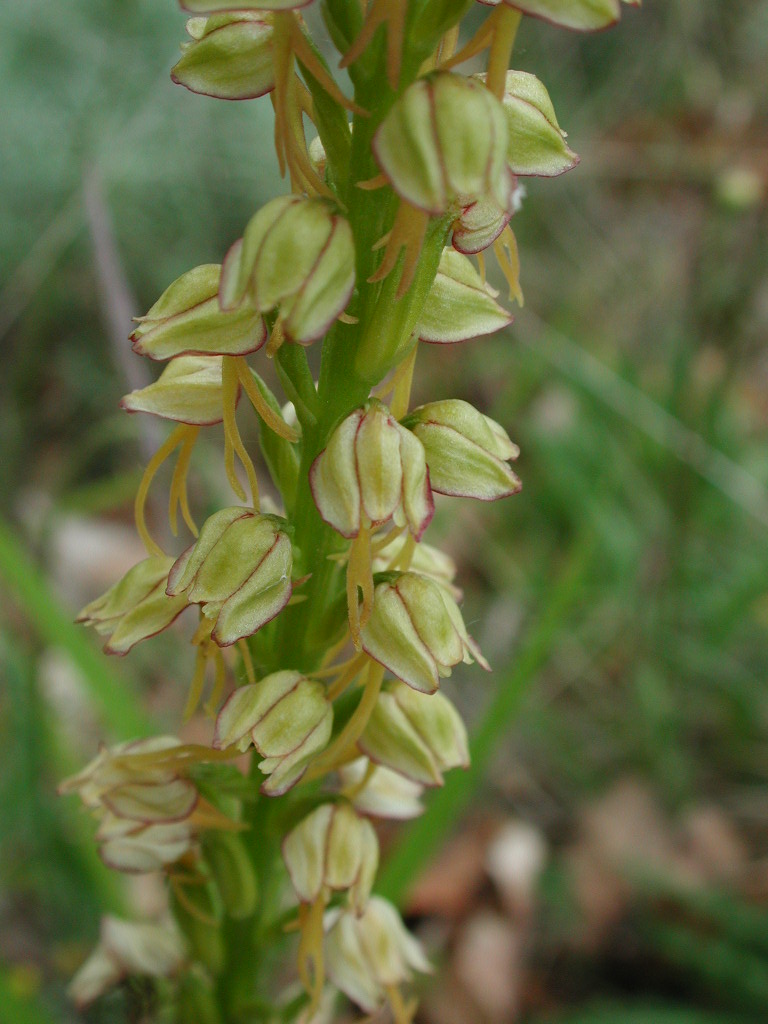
x,y
87,93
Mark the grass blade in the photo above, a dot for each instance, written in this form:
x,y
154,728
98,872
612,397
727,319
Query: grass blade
x,y
106,683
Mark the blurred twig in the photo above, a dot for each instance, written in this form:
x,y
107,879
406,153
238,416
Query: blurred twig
x,y
118,303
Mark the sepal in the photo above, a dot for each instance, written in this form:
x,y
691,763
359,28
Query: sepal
x,y
425,559
381,792
370,954
332,849
460,305
230,57
211,6
187,320
467,452
142,849
416,631
127,948
444,144
581,15
537,144
297,257
419,735
370,473
136,607
189,390
287,718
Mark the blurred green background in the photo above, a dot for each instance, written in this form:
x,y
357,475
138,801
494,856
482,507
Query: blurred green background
x,y
621,597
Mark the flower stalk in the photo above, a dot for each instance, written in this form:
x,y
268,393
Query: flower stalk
x,y
328,626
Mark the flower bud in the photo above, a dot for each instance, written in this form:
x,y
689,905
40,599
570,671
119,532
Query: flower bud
x,y
296,256
334,849
133,849
149,812
287,718
239,570
460,305
581,15
318,155
127,947
467,452
419,735
381,792
115,766
481,222
187,320
425,559
135,608
416,631
536,141
230,57
148,802
444,143
188,390
371,472
370,954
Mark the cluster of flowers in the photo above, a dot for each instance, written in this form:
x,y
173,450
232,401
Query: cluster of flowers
x,y
331,614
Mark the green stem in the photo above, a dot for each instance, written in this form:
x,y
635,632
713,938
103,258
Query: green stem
x,y
303,633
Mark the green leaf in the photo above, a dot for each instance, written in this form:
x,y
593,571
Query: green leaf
x,y
18,1008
